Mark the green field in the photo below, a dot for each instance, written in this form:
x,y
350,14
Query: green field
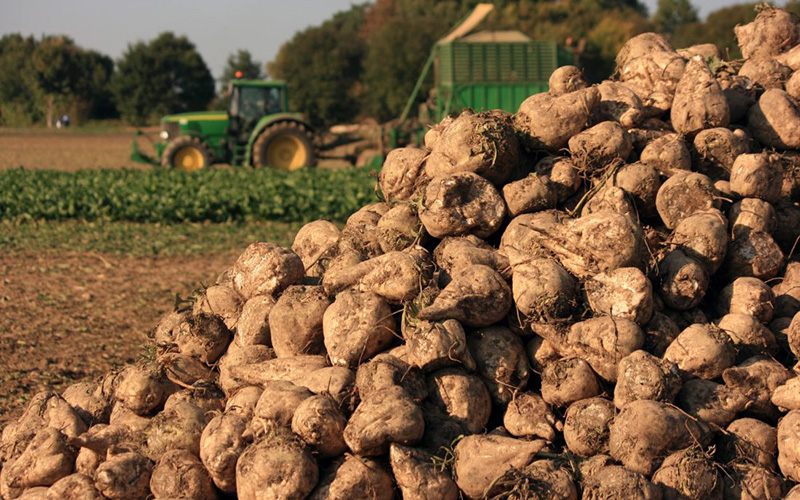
x,y
169,196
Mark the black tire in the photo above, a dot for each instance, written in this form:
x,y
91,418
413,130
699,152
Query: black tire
x,y
183,143
294,141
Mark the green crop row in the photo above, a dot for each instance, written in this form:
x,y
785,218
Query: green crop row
x,y
169,196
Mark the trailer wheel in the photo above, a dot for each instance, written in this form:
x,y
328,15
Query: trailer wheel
x,y
186,153
285,146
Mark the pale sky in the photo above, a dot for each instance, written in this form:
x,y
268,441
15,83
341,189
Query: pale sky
x,y
217,27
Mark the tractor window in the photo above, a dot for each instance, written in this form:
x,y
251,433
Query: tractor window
x,y
274,102
252,102
256,102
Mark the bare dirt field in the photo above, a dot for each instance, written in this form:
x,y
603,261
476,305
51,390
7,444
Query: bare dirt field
x,y
68,151
76,149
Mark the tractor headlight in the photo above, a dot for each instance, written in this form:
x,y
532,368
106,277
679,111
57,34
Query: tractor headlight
x,y
164,135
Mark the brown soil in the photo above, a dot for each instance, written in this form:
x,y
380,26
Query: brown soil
x,y
68,152
70,317
73,150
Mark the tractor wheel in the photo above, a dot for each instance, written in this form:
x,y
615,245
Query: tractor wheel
x,y
285,146
186,153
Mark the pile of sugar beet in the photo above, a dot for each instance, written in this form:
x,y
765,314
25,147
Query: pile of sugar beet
x,y
594,297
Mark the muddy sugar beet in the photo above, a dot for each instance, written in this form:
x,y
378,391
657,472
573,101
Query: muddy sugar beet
x,y
596,297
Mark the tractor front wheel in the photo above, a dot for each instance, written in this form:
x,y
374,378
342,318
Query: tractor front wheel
x,y
285,146
186,153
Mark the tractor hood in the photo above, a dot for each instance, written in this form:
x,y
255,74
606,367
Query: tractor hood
x,y
195,116
209,125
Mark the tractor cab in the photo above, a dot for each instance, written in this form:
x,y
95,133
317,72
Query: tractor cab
x,y
257,130
254,99
251,100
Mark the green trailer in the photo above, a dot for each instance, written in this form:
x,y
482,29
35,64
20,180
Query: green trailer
x,y
492,70
483,70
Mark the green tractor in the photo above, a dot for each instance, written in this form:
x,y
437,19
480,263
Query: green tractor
x,y
257,130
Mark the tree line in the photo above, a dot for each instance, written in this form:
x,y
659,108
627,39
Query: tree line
x,y
362,62
40,79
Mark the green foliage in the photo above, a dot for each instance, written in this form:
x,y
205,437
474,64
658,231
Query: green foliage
x,y
322,66
17,103
55,71
672,14
242,61
53,75
164,76
18,113
94,89
170,196
55,64
398,47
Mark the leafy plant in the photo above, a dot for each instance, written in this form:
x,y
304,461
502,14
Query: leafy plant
x,y
169,196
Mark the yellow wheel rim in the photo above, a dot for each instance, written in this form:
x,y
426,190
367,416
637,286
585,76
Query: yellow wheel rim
x,y
286,152
189,159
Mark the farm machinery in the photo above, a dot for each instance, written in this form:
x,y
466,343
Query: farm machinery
x,y
257,130
479,71
482,70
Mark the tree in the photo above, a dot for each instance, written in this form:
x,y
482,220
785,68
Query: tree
x,y
242,61
56,71
672,14
605,38
17,102
164,76
322,66
402,35
93,88
610,5
41,78
391,73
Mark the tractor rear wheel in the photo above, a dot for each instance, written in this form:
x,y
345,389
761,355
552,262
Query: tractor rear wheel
x,y
285,146
186,153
